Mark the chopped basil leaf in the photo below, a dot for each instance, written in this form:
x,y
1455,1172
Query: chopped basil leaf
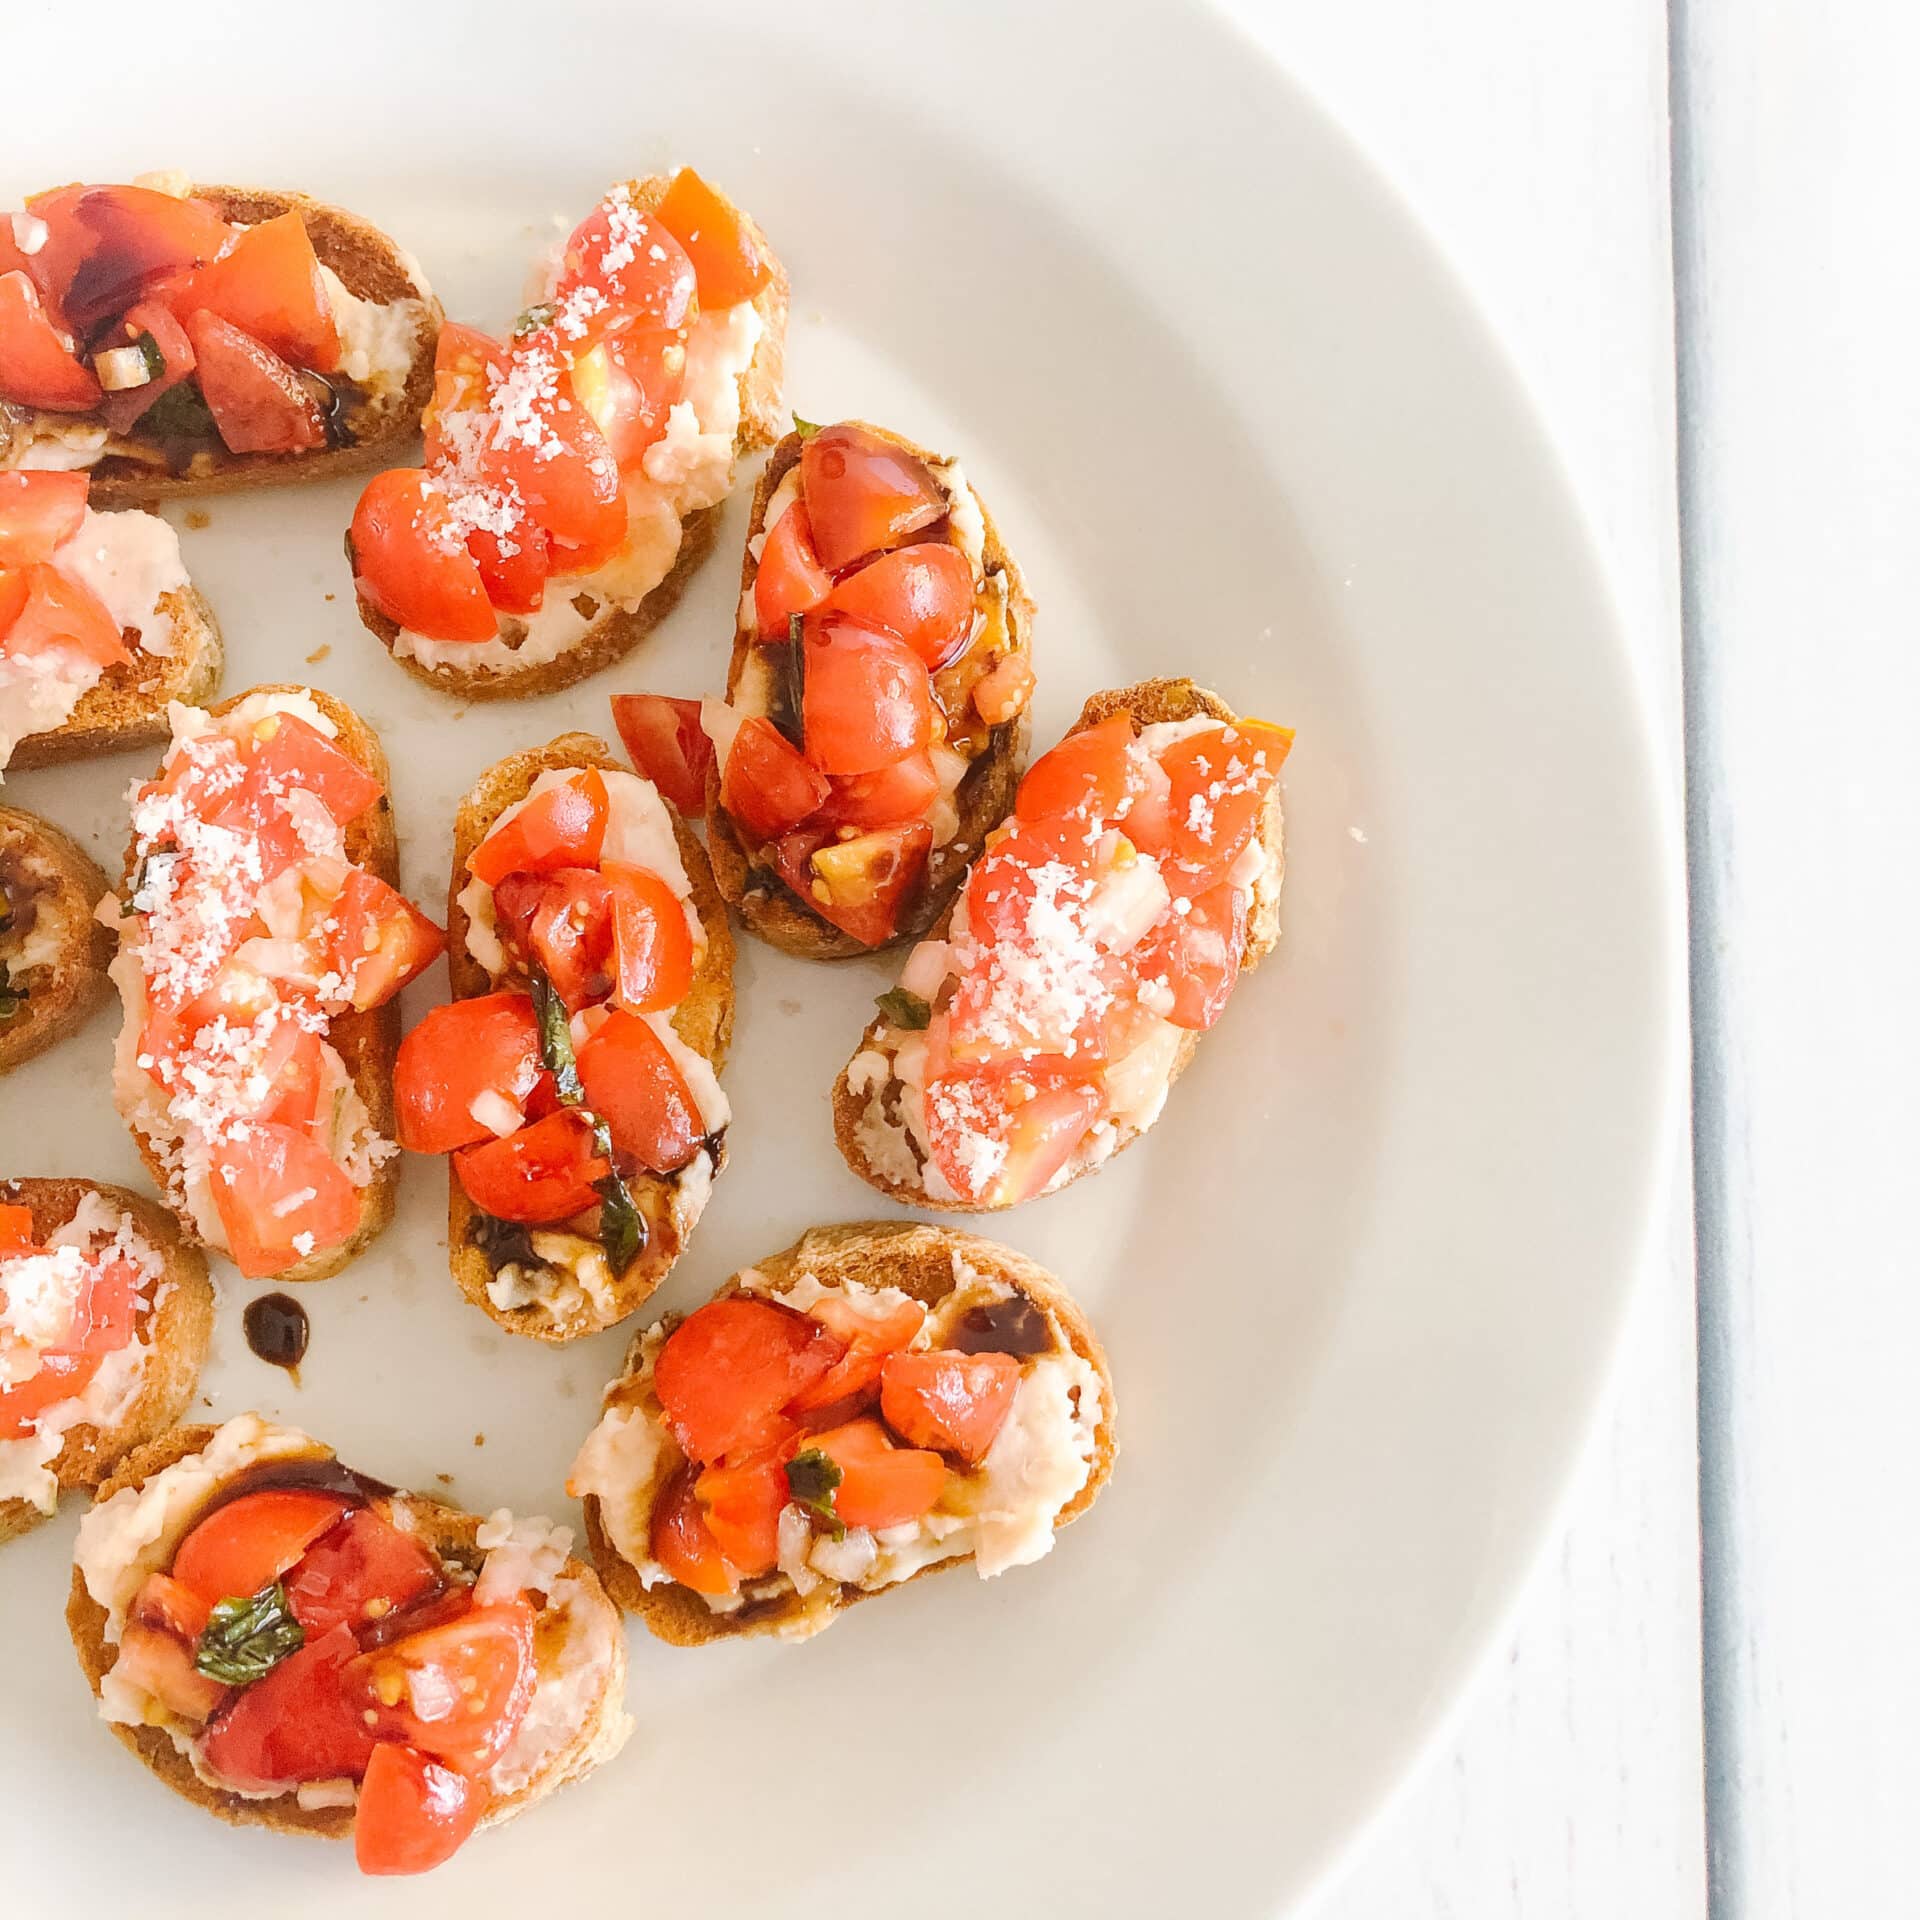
x,y
179,414
556,1040
788,710
534,318
812,1477
905,1010
247,1637
504,1242
806,429
150,354
623,1228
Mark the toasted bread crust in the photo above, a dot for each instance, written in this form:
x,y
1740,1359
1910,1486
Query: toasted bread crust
x,y
703,1020
120,710
768,907
373,267
450,1532
65,994
1149,702
176,1335
617,632
365,1042
919,1260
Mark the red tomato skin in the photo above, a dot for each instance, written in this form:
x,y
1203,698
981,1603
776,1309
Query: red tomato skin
x,y
867,700
288,750
378,941
295,1724
1198,955
163,1602
728,264
563,827
161,1663
613,249
60,1376
252,1175
903,791
268,285
568,931
742,1505
491,1645
868,1342
121,411
727,1372
248,1543
789,578
1039,1132
38,367
889,863
632,1083
881,1485
57,613
543,1173
410,566
682,1541
39,513
413,1814
768,786
652,958
922,595
1089,772
864,494
361,1569
257,401
949,1402
490,1044
666,742
1220,780
16,1229
106,245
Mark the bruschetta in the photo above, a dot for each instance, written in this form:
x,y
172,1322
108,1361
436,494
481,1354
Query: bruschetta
x,y
99,625
262,942
877,1402
104,1317
575,469
574,1077
292,1645
1098,936
876,715
53,953
167,338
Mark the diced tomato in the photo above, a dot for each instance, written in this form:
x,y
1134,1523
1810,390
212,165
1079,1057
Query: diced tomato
x,y
1090,772
867,699
458,1691
486,1045
903,791
268,285
563,826
57,615
767,785
359,1570
727,1372
465,362
652,943
951,1402
665,740
859,885
160,325
286,749
743,1510
881,1485
106,245
39,512
378,941
258,402
728,264
1034,1112
277,1187
789,578
38,363
628,381
1002,692
1220,783
1198,955
164,1603
250,1542
632,259
632,1083
103,1314
864,494
1056,855
294,1724
568,930
60,1376
514,567
682,1541
868,1338
413,1814
543,1173
16,1229
161,1664
13,596
290,1069
566,473
410,564
922,595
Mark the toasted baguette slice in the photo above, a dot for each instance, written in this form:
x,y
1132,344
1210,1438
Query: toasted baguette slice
x,y
1149,702
767,906
616,630
928,1262
371,426
599,1732
365,1042
173,1324
53,954
703,1019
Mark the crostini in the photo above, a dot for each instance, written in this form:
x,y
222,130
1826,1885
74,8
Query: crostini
x,y
876,714
1098,936
53,953
877,1402
574,471
99,626
574,1077
104,1317
292,1645
262,942
168,338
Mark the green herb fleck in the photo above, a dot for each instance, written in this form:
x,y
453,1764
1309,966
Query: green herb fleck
x,y
623,1229
556,1040
534,318
179,414
793,681
812,1477
156,361
905,1010
806,429
246,1638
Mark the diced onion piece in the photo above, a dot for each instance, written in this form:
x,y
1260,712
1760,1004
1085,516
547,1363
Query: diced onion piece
x,y
119,368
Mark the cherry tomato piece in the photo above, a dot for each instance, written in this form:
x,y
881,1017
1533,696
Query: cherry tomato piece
x,y
1220,780
1197,955
867,700
789,578
258,403
652,944
881,1485
166,337
1000,1132
39,513
922,595
947,1401
161,1664
543,1173
629,256
726,1374
107,245
293,1724
868,1338
410,563
1090,772
268,285
864,494
728,263
378,941
632,1083
361,1569
458,1690
54,614
562,826
903,791
412,1814
255,1178
665,740
60,1376
163,1602
250,1542
860,885
767,785
490,1044
742,1507
682,1541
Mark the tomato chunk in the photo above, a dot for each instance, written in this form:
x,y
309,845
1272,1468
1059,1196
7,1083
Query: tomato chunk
x,y
163,1602
922,595
1220,782
947,1401
361,1569
250,1542
564,826
411,565
39,512
38,363
378,940
666,741
628,381
16,1229
652,942
565,922
867,699
458,1690
254,1180
268,285
413,1813
106,245
742,1506
1198,954
864,494
543,1173
1002,692
869,1338
294,1724
728,264
161,1663
903,791
728,1371
288,751
1000,1132
490,1044
789,578
168,338
632,1083
767,785
881,1485
1090,772
57,615
859,885
60,1376
258,403
682,1541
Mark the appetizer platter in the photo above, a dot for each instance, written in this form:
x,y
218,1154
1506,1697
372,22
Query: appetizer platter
x,y
624,783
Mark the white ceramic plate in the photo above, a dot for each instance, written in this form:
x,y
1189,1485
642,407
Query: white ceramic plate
x,y
1360,1286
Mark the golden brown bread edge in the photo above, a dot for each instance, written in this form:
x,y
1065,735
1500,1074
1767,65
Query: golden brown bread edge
x,y
703,1019
373,267
918,1259
365,1042
120,710
450,1532
769,908
176,1334
617,632
64,994
1149,702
